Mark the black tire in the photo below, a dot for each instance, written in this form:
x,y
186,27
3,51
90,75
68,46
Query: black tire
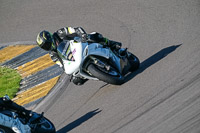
x,y
46,127
101,75
6,130
134,62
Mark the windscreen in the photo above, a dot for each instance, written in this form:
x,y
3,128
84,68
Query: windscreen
x,y
64,51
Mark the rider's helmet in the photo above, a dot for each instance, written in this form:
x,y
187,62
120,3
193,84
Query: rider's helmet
x,y
45,40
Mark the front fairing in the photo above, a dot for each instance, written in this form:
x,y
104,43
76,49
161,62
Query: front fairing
x,y
71,55
98,50
120,63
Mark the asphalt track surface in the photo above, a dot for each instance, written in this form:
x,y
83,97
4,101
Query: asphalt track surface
x,y
163,96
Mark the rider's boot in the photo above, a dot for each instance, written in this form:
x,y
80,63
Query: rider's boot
x,y
78,80
97,37
114,45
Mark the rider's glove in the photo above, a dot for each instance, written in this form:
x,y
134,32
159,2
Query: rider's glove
x,y
54,56
84,37
59,63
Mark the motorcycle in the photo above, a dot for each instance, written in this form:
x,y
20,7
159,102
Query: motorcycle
x,y
12,122
91,60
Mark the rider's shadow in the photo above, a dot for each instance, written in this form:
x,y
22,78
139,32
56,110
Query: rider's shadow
x,y
152,60
79,121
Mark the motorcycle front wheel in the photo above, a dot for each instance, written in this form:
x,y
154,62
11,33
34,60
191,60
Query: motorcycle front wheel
x,y
5,130
111,76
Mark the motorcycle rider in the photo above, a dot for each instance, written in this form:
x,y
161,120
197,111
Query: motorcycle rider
x,y
6,103
16,124
49,42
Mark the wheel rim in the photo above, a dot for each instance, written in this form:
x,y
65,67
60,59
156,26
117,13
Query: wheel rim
x,y
111,72
2,131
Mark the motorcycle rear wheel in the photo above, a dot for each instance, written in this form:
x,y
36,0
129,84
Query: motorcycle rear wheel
x,y
134,62
112,77
46,127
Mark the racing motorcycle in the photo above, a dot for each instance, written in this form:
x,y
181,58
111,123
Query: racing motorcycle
x,y
91,60
12,122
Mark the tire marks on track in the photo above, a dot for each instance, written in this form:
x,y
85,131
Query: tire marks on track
x,y
153,103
